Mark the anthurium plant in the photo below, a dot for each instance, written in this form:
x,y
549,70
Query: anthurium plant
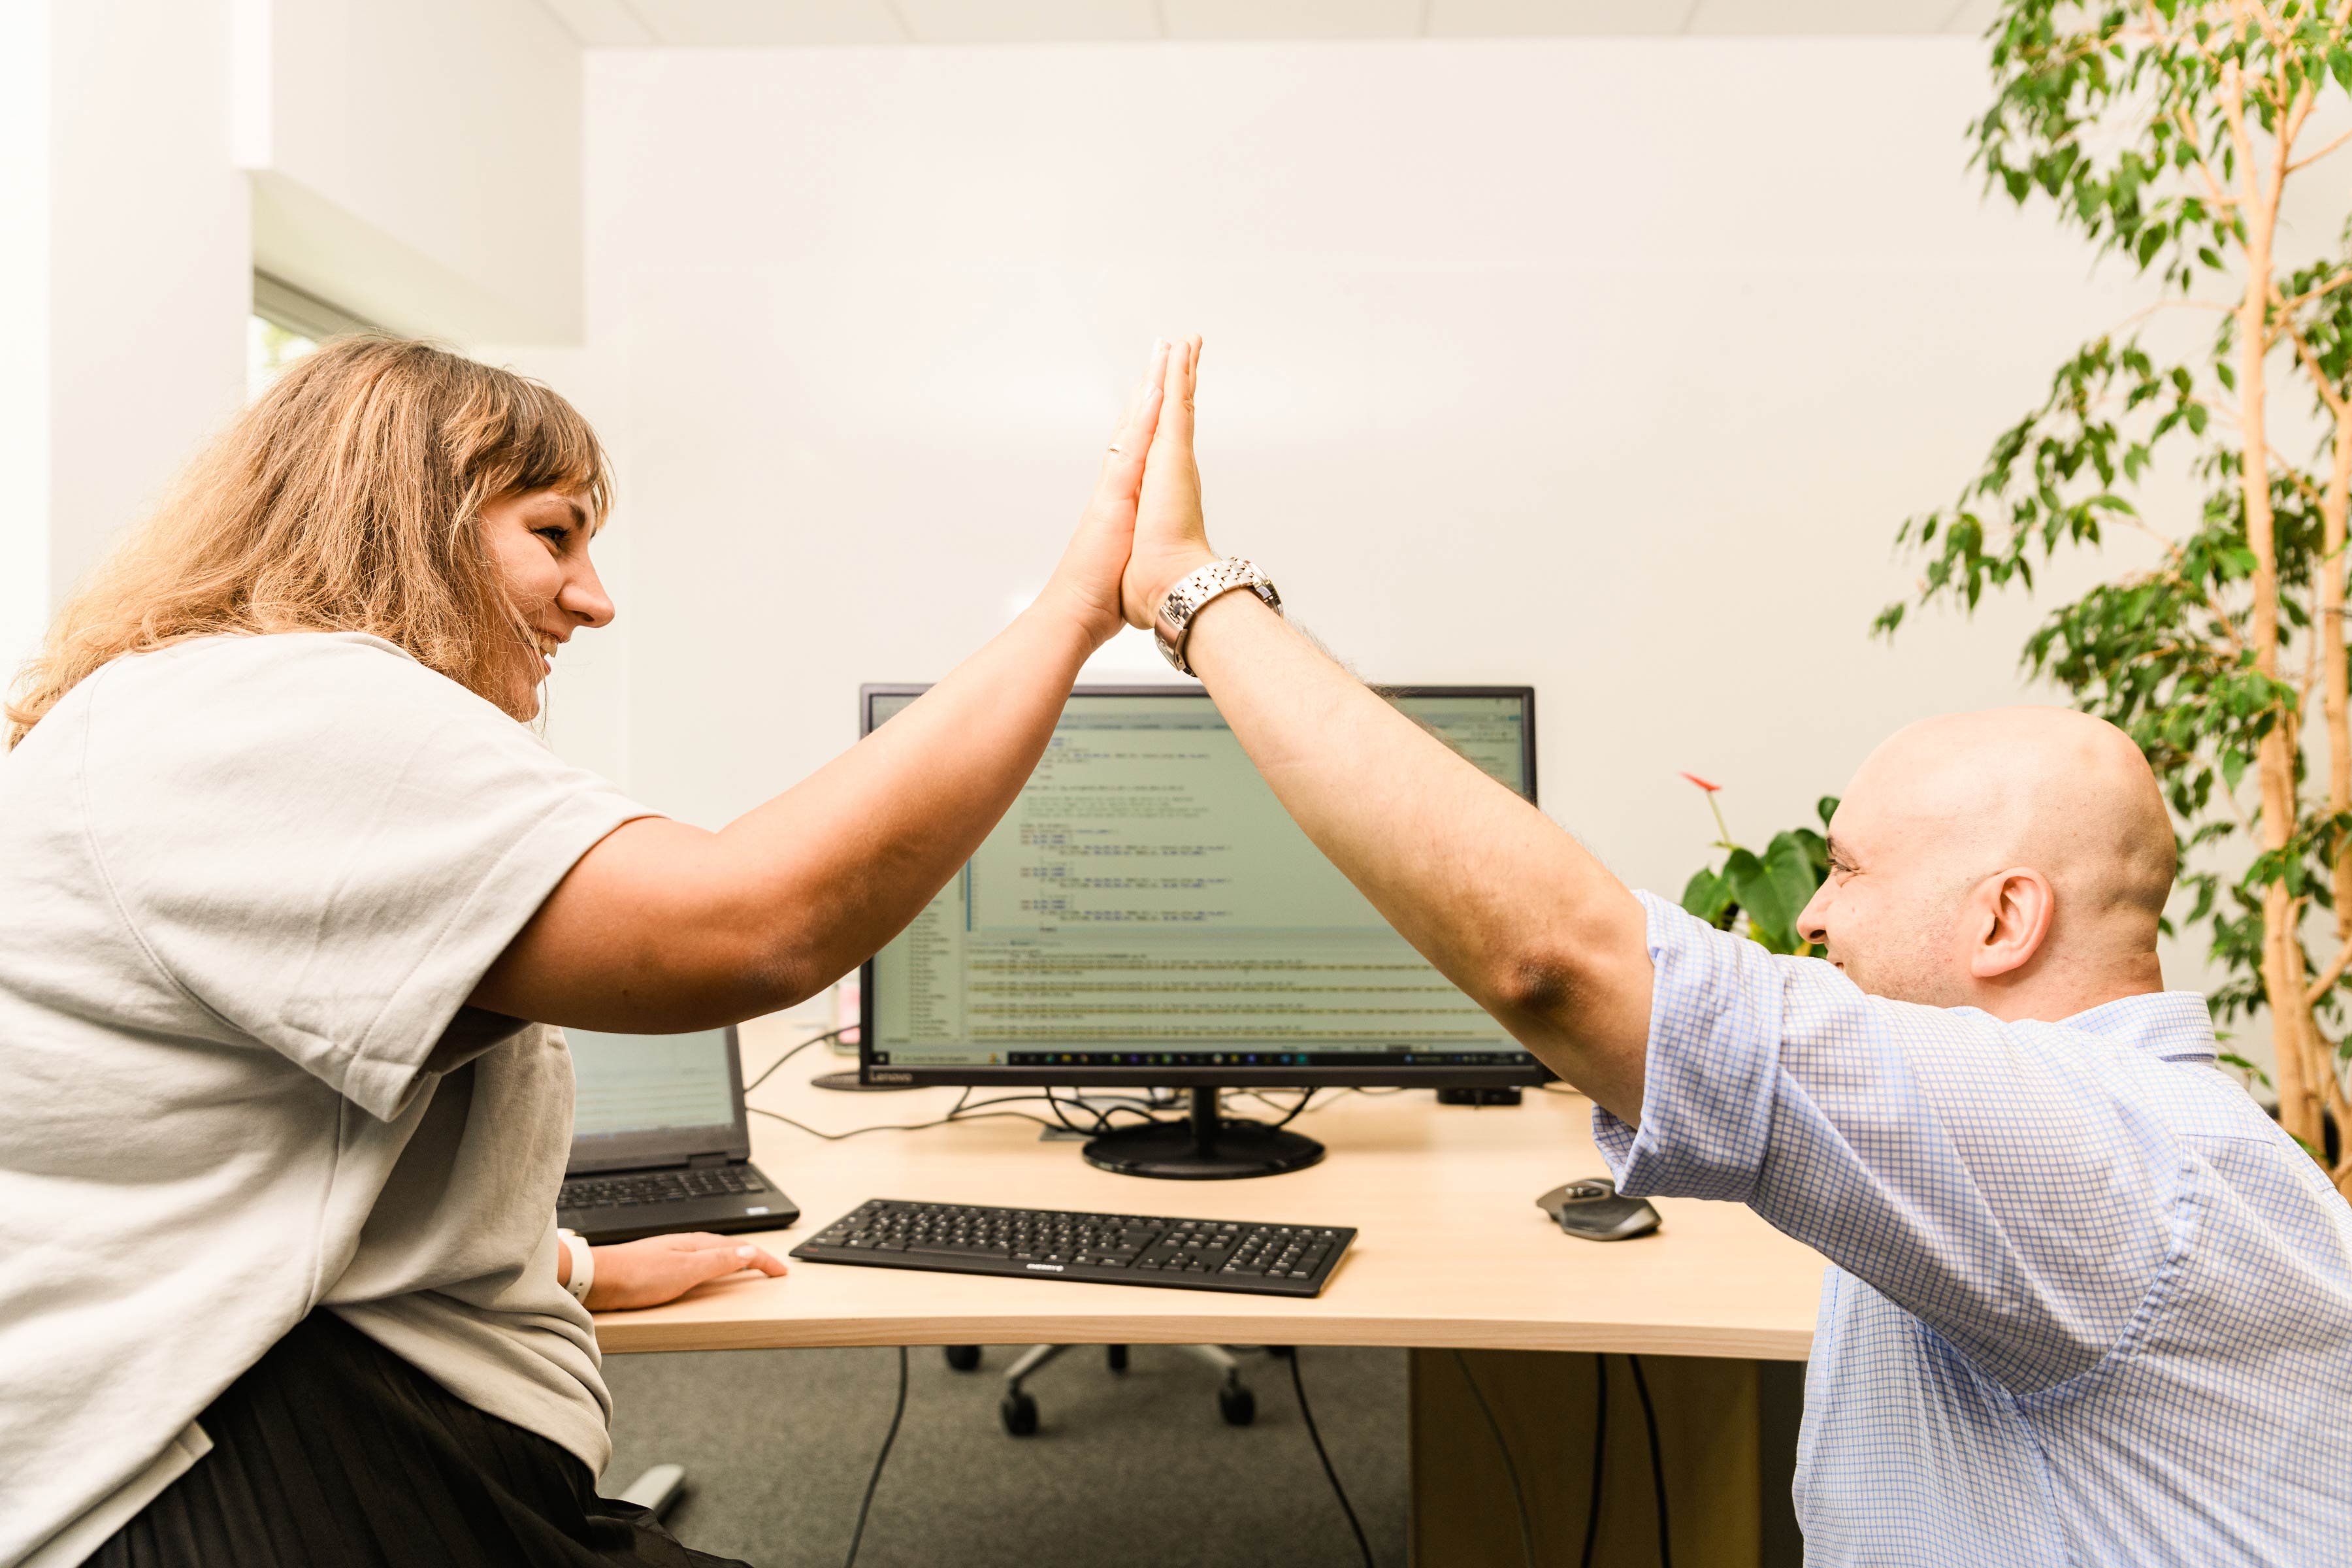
x,y
1762,894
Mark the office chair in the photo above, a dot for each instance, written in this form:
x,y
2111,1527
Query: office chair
x,y
657,1491
1018,1408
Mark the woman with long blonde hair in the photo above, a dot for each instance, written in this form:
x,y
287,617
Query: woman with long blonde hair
x,y
291,897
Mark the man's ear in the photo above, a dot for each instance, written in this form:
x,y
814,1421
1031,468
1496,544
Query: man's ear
x,y
2014,908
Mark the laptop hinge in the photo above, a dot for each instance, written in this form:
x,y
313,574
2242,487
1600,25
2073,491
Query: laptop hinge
x,y
704,1162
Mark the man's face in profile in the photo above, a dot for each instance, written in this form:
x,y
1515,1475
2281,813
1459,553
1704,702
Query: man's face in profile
x,y
1887,912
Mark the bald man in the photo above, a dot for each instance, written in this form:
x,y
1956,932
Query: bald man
x,y
2089,1306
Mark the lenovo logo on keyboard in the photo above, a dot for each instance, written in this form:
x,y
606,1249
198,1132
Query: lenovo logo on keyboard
x,y
1048,1267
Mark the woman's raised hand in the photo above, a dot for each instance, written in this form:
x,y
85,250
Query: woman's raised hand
x,y
1087,583
1171,537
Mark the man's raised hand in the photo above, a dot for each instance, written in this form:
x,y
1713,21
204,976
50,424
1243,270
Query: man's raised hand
x,y
1171,538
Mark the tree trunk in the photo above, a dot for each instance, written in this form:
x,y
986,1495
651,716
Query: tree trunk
x,y
2335,680
2283,975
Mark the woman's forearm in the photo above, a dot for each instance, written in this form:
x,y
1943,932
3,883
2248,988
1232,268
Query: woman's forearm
x,y
878,831
663,927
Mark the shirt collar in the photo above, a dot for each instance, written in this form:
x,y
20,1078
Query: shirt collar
x,y
2174,1024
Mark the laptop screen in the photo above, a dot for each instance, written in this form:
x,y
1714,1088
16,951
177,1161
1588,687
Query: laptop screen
x,y
642,1098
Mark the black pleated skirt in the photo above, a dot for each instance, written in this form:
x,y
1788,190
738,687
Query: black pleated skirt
x,y
332,1450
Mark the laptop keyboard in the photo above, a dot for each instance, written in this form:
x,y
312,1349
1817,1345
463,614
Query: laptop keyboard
x,y
624,1191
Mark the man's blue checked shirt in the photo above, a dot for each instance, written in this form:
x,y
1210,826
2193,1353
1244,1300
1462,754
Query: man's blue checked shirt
x,y
2089,1306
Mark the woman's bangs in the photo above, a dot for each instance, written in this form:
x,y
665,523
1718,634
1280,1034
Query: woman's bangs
x,y
550,446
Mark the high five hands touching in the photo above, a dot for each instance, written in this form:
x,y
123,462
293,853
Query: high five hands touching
x,y
1171,538
1142,528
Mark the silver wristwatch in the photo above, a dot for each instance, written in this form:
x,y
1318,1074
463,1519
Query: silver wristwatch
x,y
1196,589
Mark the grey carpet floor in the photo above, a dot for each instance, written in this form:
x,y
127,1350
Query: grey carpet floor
x,y
1135,1469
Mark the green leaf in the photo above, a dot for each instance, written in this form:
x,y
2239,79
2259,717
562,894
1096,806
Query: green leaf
x,y
1708,897
1795,862
1773,890
1752,885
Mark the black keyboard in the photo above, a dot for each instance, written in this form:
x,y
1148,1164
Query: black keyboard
x,y
1113,1249
657,1188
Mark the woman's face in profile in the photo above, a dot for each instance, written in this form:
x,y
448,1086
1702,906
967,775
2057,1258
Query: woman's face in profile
x,y
539,540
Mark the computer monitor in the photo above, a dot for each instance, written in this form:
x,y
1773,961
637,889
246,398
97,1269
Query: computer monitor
x,y
1148,914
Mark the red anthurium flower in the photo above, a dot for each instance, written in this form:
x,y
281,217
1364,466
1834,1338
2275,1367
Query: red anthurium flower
x,y
1702,784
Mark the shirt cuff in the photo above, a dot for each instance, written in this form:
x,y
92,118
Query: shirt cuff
x,y
1712,1066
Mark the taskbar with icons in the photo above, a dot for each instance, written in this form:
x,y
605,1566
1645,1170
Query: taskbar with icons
x,y
1384,1056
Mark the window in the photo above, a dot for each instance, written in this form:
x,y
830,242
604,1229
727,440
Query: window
x,y
286,324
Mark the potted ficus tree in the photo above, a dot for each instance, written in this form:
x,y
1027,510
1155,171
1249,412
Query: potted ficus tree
x,y
2170,132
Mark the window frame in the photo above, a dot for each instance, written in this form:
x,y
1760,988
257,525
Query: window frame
x,y
303,313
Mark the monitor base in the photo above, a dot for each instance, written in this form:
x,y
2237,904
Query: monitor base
x,y
1205,1147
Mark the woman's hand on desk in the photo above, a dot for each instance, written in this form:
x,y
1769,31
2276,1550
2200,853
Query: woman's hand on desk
x,y
1087,584
664,1268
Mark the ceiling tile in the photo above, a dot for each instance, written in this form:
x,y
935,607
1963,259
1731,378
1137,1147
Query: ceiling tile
x,y
1293,18
600,21
1548,18
770,21
1026,21
1864,18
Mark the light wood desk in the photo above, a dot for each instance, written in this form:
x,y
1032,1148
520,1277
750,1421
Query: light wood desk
x,y
1452,1252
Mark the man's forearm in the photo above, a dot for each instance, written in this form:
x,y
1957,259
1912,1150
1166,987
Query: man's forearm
x,y
1507,905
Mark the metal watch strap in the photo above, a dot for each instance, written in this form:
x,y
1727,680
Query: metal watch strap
x,y
1194,590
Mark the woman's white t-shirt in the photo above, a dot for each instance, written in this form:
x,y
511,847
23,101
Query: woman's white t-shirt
x,y
247,885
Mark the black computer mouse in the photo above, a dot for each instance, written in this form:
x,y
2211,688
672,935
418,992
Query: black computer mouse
x,y
1594,1209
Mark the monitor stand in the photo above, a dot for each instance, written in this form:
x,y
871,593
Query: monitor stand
x,y
1205,1147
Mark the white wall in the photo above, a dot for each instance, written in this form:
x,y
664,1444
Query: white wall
x,y
24,330
147,263
417,161
1605,365
1610,366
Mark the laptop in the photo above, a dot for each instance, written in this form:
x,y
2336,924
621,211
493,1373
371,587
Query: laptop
x,y
660,1142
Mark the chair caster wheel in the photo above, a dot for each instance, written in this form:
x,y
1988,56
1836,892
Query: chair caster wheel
x,y
1020,1412
963,1358
1117,1356
1237,1405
